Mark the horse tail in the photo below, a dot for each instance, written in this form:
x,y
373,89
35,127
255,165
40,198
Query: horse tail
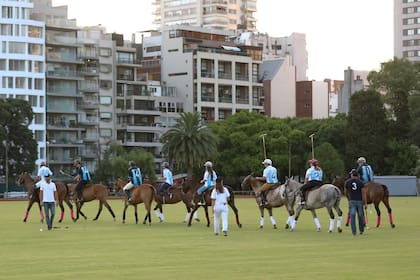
x,y
232,195
386,191
338,195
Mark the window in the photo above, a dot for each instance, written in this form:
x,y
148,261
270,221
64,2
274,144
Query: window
x,y
2,64
153,49
105,100
39,84
6,29
105,68
105,116
105,84
20,82
7,12
39,135
105,132
38,118
38,67
34,31
33,100
104,52
16,65
35,49
17,47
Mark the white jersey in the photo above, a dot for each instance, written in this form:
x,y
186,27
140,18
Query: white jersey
x,y
208,180
43,171
48,191
220,198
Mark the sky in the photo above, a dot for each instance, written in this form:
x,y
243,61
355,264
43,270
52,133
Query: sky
x,y
339,33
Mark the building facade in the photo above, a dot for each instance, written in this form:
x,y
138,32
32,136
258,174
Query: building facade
x,y
407,29
214,14
22,63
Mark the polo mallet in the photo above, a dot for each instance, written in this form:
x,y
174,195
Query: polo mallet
x,y
64,173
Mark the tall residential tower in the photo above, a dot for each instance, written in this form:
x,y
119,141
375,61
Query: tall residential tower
x,y
407,29
215,14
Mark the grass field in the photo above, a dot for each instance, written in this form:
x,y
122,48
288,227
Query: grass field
x,y
105,249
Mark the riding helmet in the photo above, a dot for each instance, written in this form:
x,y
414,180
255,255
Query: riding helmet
x,y
208,164
267,161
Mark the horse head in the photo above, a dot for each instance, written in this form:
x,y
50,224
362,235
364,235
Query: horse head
x,y
250,182
118,184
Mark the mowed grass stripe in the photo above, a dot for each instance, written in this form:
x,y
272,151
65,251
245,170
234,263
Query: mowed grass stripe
x,y
105,249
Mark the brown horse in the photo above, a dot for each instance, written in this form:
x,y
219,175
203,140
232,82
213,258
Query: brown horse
x,y
91,192
141,194
33,196
276,197
173,195
375,193
192,186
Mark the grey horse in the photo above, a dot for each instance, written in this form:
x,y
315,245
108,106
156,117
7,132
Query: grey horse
x,y
276,197
327,196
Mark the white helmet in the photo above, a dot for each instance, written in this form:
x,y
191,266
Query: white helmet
x,y
267,161
361,160
208,164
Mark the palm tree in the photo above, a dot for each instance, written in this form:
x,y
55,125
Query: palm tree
x,y
190,142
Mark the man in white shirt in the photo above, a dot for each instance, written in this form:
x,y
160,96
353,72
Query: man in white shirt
x,y
219,199
49,198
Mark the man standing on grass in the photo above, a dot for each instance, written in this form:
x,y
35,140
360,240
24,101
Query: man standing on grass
x,y
356,194
49,198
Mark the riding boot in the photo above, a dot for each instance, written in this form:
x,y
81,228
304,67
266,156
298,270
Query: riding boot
x,y
128,193
302,198
79,197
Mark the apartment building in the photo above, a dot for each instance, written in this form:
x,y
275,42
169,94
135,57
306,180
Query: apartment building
x,y
210,74
312,99
354,81
214,14
22,63
407,29
293,46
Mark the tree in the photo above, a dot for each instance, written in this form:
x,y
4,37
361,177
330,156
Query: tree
x,y
15,117
115,163
366,129
330,161
189,142
398,78
401,158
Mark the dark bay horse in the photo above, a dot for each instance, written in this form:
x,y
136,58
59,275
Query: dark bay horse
x,y
375,193
327,195
276,197
141,194
33,196
91,192
192,185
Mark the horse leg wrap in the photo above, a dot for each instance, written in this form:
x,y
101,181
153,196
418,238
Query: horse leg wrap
x,y
273,221
364,220
61,216
348,220
391,220
378,221
72,214
339,219
187,217
41,214
261,221
26,215
157,213
317,223
332,221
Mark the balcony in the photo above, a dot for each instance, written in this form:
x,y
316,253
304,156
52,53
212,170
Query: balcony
x,y
225,99
226,76
89,104
89,122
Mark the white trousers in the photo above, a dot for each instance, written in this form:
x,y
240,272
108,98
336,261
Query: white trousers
x,y
129,186
220,211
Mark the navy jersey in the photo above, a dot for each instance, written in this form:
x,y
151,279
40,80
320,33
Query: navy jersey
x,y
84,174
134,175
354,188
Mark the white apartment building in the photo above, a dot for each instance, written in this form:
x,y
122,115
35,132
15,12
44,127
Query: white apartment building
x,y
407,29
214,14
279,81
211,75
22,63
293,46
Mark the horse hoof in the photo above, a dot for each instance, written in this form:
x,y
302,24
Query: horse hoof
x,y
197,219
318,229
240,225
123,222
24,221
393,226
347,225
329,231
340,230
287,226
60,221
189,225
261,226
208,225
275,226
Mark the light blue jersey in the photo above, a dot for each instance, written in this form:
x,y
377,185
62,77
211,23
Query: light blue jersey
x,y
313,174
270,173
167,174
